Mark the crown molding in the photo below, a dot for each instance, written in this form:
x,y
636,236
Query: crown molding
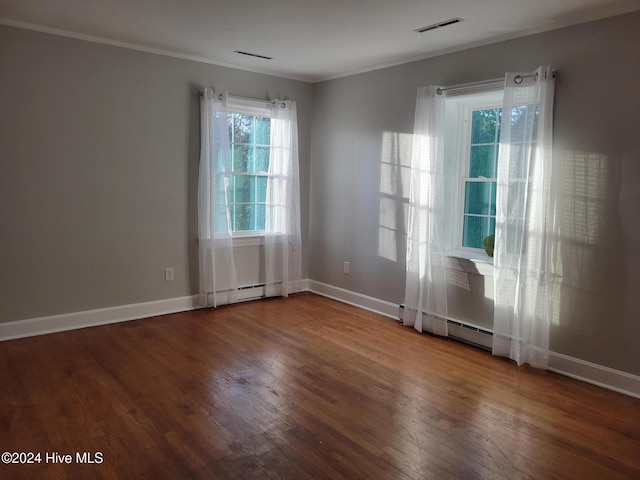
x,y
574,20
147,49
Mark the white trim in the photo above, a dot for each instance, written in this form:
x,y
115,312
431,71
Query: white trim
x,y
90,318
32,327
609,378
372,304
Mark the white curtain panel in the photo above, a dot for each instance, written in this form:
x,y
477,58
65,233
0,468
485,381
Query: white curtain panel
x,y
283,260
526,259
218,281
425,303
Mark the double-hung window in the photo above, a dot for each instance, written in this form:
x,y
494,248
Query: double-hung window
x,y
472,143
249,129
480,165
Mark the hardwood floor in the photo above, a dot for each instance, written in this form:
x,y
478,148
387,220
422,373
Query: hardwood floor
x,y
299,388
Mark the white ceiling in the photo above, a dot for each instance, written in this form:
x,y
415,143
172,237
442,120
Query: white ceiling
x,y
309,40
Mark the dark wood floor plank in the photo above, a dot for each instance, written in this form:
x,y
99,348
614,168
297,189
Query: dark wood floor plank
x,y
300,388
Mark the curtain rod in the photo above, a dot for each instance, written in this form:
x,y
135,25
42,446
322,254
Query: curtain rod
x,y
439,90
235,97
517,79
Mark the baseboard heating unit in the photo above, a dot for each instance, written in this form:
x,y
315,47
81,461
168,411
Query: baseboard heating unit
x,y
463,332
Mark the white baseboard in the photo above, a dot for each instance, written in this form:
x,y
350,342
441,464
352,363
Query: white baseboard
x,y
103,316
91,318
595,374
375,305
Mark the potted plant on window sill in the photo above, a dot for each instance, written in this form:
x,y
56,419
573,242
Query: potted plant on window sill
x,y
488,244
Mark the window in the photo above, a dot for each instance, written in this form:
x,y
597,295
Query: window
x,y
249,140
472,141
479,185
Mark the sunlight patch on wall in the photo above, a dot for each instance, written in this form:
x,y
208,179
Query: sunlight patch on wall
x,y
395,175
458,278
388,228
586,180
395,164
585,176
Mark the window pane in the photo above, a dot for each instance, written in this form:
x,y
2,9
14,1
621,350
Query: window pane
x,y
261,189
261,159
484,125
240,188
476,199
475,230
259,217
240,158
248,217
242,217
262,131
249,188
242,128
482,161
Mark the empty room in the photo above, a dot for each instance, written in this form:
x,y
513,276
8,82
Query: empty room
x,y
319,240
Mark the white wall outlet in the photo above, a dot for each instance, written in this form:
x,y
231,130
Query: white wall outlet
x,y
168,274
347,266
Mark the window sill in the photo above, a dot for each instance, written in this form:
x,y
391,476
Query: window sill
x,y
471,262
251,239
248,240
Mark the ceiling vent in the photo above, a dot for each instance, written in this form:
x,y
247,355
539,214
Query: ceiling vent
x,y
446,23
253,55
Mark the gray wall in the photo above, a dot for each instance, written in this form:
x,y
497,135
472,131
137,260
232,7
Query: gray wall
x,y
358,191
98,171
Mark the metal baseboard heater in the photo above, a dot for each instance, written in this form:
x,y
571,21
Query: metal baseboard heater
x,y
464,332
249,292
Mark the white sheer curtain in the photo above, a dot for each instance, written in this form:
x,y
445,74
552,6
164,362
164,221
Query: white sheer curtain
x,y
526,262
218,282
425,303
282,227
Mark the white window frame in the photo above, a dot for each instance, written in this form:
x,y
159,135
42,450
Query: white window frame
x,y
458,118
260,108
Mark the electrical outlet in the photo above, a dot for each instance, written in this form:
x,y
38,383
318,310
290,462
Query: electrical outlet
x,y
168,274
347,266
